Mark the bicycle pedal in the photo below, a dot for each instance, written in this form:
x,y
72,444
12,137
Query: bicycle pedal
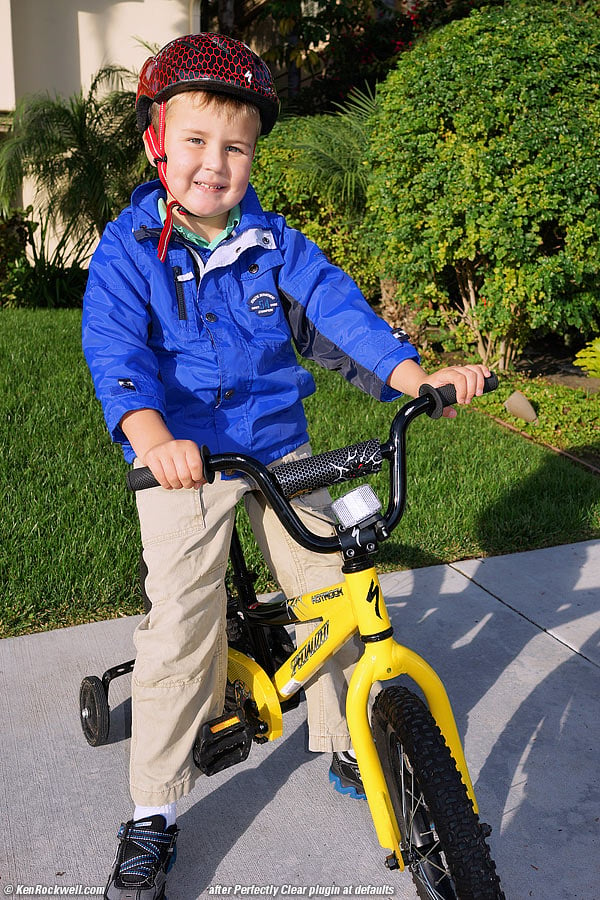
x,y
223,742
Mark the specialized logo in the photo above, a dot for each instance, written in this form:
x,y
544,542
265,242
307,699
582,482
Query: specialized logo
x,y
317,640
373,596
291,608
327,595
263,304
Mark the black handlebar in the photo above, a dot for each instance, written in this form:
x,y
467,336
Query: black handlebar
x,y
329,468
284,481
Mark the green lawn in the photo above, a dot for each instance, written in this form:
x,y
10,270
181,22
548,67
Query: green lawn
x,y
68,530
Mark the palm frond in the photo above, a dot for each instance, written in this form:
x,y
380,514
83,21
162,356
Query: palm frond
x,y
360,103
151,47
83,152
330,154
112,78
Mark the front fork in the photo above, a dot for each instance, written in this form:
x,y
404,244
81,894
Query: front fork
x,y
382,660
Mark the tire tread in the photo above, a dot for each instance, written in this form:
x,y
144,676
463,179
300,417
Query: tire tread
x,y
461,835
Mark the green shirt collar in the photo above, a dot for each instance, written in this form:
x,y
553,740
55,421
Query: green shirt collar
x,y
233,221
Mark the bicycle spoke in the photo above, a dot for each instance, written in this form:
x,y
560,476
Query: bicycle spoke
x,y
427,852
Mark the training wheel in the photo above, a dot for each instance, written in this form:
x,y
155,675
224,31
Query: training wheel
x,y
94,711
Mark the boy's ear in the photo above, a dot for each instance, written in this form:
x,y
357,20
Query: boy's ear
x,y
149,152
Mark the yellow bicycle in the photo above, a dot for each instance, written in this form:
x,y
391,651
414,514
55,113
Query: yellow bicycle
x,y
409,753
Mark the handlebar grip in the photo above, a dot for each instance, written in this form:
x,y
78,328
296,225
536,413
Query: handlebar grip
x,y
329,468
446,395
141,479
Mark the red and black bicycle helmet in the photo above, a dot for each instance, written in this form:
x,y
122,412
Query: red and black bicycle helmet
x,y
207,62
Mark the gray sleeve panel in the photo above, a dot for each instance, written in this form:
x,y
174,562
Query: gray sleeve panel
x,y
311,344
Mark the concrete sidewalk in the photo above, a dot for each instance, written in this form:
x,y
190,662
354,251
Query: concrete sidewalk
x,y
516,641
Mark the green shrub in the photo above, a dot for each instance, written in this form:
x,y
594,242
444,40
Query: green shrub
x,y
48,276
588,359
284,185
15,233
45,285
485,154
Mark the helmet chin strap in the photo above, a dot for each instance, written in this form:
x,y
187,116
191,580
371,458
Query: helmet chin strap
x,y
157,149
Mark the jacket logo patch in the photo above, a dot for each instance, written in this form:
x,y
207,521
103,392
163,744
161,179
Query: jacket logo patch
x,y
264,304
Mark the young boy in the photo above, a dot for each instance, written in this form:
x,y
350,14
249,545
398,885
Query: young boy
x,y
194,301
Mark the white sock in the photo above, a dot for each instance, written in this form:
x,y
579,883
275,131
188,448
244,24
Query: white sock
x,y
350,753
169,811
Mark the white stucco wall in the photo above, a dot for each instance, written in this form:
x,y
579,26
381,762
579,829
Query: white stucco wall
x,y
113,34
57,45
7,79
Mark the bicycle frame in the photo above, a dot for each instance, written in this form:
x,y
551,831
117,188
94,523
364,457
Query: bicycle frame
x,y
340,610
356,604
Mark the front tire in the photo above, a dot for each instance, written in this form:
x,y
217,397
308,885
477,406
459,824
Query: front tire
x,y
443,843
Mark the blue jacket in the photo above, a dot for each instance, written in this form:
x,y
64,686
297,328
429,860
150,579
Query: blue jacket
x,y
207,337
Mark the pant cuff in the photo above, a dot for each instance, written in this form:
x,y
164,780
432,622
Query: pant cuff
x,y
143,797
329,743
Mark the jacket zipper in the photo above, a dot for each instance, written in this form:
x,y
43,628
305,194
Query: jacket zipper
x,y
198,271
181,310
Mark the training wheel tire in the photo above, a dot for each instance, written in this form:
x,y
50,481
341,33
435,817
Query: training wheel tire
x,y
94,711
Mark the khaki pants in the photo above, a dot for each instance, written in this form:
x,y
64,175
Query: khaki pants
x,y
181,665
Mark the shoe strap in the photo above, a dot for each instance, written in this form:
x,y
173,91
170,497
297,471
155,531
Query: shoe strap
x,y
152,845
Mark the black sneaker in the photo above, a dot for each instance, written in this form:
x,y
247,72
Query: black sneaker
x,y
145,854
345,776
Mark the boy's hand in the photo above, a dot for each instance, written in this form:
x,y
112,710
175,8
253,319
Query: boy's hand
x,y
176,464
467,381
408,377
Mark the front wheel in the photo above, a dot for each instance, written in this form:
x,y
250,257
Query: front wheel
x,y
443,843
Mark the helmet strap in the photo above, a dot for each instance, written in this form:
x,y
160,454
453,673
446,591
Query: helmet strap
x,y
156,146
167,231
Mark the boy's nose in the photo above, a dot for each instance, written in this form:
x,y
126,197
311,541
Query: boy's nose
x,y
213,159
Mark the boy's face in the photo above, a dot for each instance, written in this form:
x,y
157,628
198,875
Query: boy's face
x,y
209,157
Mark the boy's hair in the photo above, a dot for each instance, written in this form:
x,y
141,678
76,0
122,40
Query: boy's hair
x,y
230,106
